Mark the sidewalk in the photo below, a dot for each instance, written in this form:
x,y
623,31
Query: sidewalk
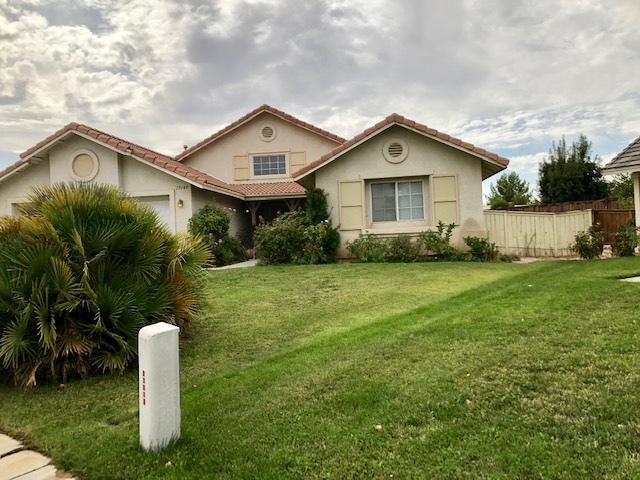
x,y
16,462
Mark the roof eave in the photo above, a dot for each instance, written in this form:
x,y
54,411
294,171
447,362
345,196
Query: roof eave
x,y
614,170
273,196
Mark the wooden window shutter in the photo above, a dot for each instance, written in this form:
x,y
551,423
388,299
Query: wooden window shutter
x,y
241,167
445,199
297,160
351,205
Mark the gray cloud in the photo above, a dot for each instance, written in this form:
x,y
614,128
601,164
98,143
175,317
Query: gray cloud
x,y
508,76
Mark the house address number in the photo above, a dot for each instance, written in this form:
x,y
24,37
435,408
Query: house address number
x,y
182,187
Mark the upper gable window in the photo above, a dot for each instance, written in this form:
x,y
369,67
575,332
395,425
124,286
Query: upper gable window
x,y
269,165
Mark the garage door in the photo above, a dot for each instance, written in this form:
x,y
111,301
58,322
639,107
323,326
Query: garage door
x,y
161,205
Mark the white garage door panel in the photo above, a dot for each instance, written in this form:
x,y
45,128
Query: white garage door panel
x,y
161,205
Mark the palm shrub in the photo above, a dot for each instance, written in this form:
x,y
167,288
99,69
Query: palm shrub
x,y
80,273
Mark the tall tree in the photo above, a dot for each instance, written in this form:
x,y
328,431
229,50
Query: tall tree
x,y
621,188
570,174
509,188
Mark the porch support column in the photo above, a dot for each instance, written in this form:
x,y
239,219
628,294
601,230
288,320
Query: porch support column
x,y
253,208
635,176
293,203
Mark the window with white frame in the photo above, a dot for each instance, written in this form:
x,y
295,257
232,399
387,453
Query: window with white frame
x,y
397,201
269,165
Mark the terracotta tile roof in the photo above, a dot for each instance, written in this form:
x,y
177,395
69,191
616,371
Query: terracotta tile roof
x,y
394,118
626,161
249,116
127,148
117,143
271,188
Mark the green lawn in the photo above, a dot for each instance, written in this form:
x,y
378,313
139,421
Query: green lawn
x,y
473,371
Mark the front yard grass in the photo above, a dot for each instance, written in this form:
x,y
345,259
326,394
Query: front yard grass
x,y
472,370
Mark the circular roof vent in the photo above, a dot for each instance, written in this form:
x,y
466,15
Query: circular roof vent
x,y
395,150
268,133
83,165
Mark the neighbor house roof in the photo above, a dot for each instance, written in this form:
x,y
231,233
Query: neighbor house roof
x,y
249,116
626,161
493,163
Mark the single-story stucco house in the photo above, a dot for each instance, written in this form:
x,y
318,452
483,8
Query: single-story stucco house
x,y
628,161
396,177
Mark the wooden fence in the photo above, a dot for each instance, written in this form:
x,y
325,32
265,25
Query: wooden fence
x,y
604,204
609,220
546,234
530,234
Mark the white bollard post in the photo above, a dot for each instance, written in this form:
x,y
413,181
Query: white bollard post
x,y
159,385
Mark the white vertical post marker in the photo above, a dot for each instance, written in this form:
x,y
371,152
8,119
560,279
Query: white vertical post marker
x,y
159,377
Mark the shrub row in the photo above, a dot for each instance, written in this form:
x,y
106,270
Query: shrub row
x,y
429,245
589,244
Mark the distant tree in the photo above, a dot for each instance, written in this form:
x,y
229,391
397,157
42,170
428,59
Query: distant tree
x,y
621,188
509,188
570,174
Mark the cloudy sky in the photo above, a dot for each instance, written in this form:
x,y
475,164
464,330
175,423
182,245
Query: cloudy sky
x,y
508,75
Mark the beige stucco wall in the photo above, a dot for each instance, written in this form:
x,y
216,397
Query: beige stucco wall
x,y
217,158
141,180
60,155
426,158
17,187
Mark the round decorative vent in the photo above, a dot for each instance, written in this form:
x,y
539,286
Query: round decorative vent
x,y
268,133
395,150
83,165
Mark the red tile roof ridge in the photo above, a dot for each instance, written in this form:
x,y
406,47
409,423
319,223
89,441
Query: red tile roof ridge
x,y
249,116
94,133
400,120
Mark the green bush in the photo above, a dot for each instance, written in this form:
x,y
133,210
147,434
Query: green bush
x,y
481,249
403,249
321,243
368,248
438,243
80,274
282,240
626,239
317,207
508,257
299,236
588,244
212,224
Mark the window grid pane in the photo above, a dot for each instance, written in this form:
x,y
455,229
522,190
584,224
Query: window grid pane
x,y
394,201
269,165
383,202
